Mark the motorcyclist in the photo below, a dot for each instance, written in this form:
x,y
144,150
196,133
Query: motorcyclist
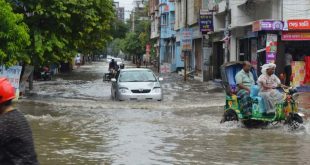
x,y
16,143
113,68
112,65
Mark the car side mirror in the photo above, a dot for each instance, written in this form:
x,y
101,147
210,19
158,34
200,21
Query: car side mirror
x,y
160,79
113,80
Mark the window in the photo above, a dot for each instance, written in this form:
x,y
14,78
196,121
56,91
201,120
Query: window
x,y
164,20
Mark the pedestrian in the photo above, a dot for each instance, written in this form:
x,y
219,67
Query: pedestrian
x,y
78,61
288,67
145,64
16,143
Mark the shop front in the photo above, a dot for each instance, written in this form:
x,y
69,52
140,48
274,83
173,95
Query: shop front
x,y
296,38
268,36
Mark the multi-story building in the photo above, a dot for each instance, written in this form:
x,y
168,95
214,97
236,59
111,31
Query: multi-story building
x,y
187,16
119,11
155,23
121,14
259,31
167,43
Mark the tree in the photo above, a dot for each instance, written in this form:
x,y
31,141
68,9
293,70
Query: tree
x,y
119,29
116,46
14,37
132,45
60,29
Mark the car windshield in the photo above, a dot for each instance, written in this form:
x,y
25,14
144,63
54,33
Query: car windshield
x,y
118,60
137,76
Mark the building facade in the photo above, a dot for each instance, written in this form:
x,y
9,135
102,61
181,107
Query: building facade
x,y
155,24
259,32
167,42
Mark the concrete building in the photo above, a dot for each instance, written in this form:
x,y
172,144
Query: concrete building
x,y
121,14
187,17
119,11
258,31
167,43
155,24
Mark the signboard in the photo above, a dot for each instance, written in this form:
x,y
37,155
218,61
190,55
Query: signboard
x,y
302,24
271,48
165,68
13,75
295,36
206,21
186,39
268,25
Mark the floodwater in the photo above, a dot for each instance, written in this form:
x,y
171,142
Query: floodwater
x,y
74,121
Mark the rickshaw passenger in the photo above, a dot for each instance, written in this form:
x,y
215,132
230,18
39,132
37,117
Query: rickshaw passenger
x,y
244,80
268,82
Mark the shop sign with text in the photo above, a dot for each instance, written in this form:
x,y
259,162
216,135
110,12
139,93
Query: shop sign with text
x,y
186,39
206,21
302,24
295,36
268,25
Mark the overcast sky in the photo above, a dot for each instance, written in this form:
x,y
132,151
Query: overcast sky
x,y
128,4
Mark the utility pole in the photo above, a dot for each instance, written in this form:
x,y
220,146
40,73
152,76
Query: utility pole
x,y
185,52
226,33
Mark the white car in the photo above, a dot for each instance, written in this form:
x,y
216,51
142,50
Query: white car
x,y
118,61
109,59
136,84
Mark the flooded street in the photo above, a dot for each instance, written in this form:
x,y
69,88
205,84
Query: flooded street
x,y
74,121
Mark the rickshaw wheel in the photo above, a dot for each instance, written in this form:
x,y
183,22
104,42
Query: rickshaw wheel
x,y
294,121
229,115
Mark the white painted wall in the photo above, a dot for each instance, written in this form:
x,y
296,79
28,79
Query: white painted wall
x,y
154,25
179,14
296,9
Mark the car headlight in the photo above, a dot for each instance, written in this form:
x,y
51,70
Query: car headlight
x,y
123,90
157,90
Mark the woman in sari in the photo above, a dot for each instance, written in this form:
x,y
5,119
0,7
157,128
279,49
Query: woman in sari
x,y
268,83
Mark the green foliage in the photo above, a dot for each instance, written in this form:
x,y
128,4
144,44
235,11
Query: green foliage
x,y
60,29
132,44
116,46
14,37
119,29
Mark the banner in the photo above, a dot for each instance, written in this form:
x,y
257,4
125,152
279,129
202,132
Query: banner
x,y
302,24
271,48
13,75
165,68
295,36
206,21
186,39
267,25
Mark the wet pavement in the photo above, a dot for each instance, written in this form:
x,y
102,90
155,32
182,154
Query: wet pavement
x,y
74,121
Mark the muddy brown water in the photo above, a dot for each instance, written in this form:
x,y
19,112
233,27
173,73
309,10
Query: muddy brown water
x,y
74,121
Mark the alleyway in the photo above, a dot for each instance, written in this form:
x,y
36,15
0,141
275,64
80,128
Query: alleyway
x,y
74,121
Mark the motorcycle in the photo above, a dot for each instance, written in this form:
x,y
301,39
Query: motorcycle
x,y
46,74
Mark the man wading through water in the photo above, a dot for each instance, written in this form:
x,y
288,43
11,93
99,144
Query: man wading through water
x,y
16,143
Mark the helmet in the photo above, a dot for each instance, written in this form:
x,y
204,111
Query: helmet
x,y
7,91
